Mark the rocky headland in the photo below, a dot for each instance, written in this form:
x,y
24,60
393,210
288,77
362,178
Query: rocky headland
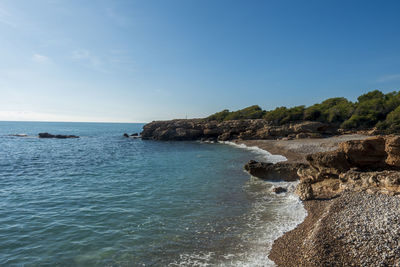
x,y
248,129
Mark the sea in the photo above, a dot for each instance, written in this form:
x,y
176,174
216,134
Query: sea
x,y
106,200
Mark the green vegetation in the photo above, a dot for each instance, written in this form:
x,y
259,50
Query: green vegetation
x,y
252,112
373,109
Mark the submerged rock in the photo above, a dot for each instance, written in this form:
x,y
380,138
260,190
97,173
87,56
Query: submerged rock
x,y
60,136
279,189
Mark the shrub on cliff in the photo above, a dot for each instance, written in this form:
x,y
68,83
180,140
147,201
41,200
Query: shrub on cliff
x,y
284,115
252,112
219,116
372,108
333,110
392,122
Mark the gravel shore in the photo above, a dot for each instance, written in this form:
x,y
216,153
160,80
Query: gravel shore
x,y
353,229
296,150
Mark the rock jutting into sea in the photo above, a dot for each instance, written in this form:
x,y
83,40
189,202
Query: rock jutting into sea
x,y
200,129
60,136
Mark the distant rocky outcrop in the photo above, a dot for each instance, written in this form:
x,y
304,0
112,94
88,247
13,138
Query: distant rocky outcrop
x,y
60,136
200,129
134,135
371,165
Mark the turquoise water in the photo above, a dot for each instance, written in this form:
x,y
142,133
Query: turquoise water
x,y
106,200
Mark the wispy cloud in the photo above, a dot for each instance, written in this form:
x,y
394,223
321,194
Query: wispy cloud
x,y
88,59
389,78
40,58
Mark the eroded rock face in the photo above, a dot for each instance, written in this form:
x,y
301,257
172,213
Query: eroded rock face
x,y
274,172
305,191
392,148
369,153
371,165
197,129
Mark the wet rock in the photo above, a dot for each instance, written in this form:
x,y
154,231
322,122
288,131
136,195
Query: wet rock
x,y
274,172
279,189
60,136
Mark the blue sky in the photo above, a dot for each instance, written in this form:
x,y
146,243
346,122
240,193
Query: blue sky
x,y
137,61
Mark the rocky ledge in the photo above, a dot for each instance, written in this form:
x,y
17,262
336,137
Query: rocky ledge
x,y
371,165
60,136
200,129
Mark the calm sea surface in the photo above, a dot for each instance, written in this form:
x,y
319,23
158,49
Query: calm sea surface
x,y
106,200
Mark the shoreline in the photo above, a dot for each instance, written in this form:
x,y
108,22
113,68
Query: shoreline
x,y
322,239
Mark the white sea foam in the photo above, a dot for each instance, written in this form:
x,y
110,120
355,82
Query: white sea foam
x,y
270,216
287,211
260,153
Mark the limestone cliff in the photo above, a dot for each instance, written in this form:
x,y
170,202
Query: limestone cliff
x,y
200,129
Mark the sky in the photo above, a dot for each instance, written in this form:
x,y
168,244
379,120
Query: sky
x,y
138,61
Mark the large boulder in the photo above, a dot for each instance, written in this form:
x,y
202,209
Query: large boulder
x,y
278,171
365,154
332,162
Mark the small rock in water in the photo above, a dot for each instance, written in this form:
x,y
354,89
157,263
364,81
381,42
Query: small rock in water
x,y
60,136
279,190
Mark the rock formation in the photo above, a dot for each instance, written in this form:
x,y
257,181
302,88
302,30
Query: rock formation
x,y
60,136
274,172
371,165
200,129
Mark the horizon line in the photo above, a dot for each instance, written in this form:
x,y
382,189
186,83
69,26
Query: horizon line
x,y
69,121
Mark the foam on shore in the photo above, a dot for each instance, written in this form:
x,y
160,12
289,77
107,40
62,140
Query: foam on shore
x,y
261,154
271,215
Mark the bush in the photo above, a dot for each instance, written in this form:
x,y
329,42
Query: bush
x,y
252,112
392,122
284,115
219,116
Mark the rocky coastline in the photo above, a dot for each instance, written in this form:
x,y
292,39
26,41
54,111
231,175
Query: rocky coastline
x,y
349,184
350,187
257,129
